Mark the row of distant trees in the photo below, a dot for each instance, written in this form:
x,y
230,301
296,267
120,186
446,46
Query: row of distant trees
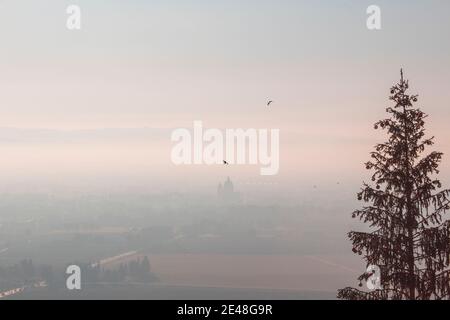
x,y
137,270
26,272
22,273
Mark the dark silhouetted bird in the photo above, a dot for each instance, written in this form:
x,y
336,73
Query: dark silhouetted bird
x,y
269,102
224,162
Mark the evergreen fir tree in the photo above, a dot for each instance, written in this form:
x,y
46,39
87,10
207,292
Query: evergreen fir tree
x,y
410,241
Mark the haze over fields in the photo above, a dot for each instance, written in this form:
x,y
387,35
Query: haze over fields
x,y
86,119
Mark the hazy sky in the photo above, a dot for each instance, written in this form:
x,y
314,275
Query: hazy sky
x,y
141,68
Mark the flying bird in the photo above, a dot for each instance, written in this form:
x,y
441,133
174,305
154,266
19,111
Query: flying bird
x,y
268,103
224,162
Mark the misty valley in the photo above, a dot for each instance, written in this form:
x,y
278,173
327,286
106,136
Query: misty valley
x,y
224,150
135,242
